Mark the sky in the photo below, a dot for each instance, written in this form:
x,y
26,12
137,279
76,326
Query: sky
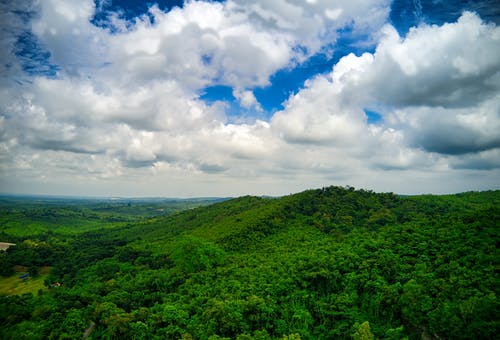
x,y
263,97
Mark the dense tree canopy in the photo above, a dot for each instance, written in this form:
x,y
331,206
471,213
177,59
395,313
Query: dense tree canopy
x,y
327,263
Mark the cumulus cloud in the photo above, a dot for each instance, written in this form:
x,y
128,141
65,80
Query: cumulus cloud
x,y
438,86
451,131
247,99
454,65
63,27
443,85
200,43
322,112
485,160
124,104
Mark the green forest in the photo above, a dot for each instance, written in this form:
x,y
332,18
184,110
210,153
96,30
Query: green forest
x,y
330,263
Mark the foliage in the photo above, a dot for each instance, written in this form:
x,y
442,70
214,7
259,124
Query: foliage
x,y
192,254
328,263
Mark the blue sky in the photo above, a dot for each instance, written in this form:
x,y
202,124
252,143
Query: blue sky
x,y
169,98
404,14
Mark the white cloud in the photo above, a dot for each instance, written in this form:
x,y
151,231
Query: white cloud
x,y
324,111
449,130
315,115
436,86
453,65
485,160
247,99
235,43
124,109
63,27
314,22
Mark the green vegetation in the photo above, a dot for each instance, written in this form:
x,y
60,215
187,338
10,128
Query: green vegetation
x,y
24,216
322,264
13,285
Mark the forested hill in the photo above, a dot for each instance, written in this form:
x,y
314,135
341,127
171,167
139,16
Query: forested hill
x,y
322,264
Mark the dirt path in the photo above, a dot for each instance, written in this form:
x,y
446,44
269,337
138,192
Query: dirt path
x,y
89,330
5,245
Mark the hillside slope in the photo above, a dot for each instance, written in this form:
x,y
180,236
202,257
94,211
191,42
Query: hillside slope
x,y
327,263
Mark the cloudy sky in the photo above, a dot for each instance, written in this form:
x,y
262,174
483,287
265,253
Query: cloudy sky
x,y
224,98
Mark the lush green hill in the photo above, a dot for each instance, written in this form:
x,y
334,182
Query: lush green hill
x,y
322,264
